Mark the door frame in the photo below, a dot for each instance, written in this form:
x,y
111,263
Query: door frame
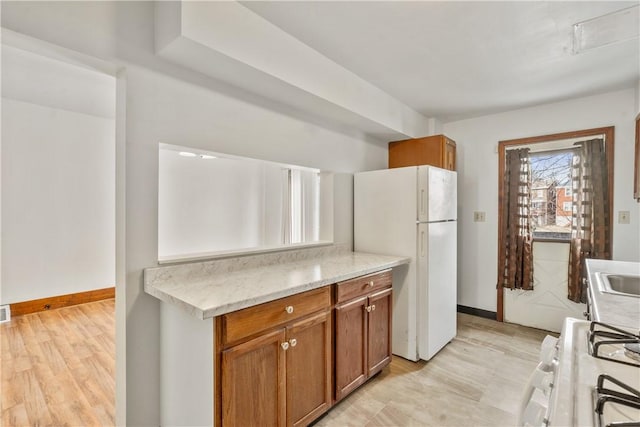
x,y
608,133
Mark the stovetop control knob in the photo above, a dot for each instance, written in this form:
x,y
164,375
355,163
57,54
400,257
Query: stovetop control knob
x,y
534,415
542,380
548,350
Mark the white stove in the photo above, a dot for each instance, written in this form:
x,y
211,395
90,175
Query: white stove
x,y
587,377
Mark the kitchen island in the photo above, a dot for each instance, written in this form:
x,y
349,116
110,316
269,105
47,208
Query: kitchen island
x,y
205,304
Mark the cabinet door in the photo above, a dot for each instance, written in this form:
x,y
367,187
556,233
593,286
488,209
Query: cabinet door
x,y
379,353
449,155
351,345
253,382
309,369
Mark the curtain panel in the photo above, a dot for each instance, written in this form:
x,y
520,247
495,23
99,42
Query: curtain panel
x,y
515,263
590,230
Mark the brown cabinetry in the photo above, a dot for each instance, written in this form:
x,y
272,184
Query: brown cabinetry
x,y
253,375
363,330
436,150
275,369
275,361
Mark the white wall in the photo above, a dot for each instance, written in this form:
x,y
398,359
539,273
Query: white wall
x,y
161,108
58,178
181,107
477,141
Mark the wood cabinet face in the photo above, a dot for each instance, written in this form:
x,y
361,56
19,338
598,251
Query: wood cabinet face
x,y
435,150
379,352
309,369
351,345
242,324
281,372
449,155
275,362
253,380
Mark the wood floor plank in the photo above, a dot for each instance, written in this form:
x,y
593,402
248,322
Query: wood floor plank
x,y
15,416
476,380
58,367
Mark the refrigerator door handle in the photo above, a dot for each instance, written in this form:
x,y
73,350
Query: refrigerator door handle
x,y
422,201
422,244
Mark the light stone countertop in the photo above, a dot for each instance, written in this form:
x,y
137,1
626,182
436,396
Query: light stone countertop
x,y
610,308
212,288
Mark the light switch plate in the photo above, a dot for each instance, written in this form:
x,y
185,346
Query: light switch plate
x,y
623,217
479,216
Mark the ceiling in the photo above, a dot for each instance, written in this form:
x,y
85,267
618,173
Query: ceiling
x,y
454,60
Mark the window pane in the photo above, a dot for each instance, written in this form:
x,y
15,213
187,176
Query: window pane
x,y
551,201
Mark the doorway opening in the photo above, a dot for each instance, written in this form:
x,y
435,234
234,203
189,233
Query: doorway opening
x,y
549,208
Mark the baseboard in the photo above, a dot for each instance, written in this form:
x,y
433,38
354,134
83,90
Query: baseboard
x,y
477,312
51,303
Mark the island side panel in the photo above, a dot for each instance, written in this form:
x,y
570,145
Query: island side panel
x,y
187,368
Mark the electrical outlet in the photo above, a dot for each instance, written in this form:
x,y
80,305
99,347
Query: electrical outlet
x,y
623,217
5,313
479,216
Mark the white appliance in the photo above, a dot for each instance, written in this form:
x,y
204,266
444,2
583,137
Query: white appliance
x,y
412,212
588,377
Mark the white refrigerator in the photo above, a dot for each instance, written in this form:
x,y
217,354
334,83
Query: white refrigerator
x,y
412,212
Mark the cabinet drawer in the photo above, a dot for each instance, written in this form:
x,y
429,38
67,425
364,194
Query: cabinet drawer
x,y
362,285
250,321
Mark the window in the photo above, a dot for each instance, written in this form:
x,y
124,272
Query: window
x,y
567,206
301,211
550,175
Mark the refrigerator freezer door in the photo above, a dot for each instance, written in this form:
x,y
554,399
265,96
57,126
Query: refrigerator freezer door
x,y
436,290
437,194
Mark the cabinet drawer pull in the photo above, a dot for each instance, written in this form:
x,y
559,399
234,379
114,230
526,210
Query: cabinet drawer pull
x,y
289,309
285,345
293,342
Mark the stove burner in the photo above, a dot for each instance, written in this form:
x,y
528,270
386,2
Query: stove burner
x,y
632,350
610,335
625,396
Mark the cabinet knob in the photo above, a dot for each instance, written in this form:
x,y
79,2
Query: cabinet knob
x,y
368,308
285,345
373,307
289,309
371,284
293,342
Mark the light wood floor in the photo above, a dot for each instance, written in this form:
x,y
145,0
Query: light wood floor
x,y
476,380
58,369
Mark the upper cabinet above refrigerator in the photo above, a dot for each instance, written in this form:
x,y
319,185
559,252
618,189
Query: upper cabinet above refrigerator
x,y
435,150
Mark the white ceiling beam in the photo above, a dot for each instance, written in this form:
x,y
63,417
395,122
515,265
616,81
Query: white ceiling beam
x,y
228,41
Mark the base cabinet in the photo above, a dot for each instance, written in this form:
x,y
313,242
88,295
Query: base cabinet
x,y
282,363
308,369
379,331
281,376
253,380
351,346
363,330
